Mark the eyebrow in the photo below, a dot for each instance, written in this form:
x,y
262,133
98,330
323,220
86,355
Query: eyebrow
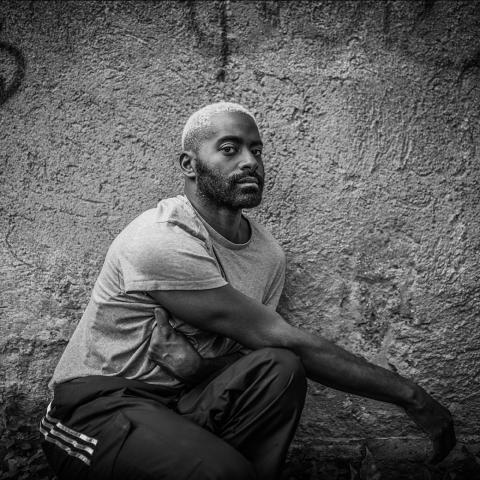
x,y
236,139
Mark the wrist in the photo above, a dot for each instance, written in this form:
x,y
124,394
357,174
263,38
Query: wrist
x,y
415,398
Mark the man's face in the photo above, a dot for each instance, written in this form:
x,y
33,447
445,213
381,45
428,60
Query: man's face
x,y
229,167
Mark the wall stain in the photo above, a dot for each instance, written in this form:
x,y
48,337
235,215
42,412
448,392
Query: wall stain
x,y
9,88
271,11
208,41
428,5
194,25
470,64
11,228
386,18
427,9
224,49
425,12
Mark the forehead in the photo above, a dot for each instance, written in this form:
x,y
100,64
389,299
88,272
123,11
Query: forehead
x,y
233,124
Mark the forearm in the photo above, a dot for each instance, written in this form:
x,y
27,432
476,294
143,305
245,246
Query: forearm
x,y
329,364
324,361
333,366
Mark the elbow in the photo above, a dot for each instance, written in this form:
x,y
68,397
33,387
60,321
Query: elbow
x,y
280,335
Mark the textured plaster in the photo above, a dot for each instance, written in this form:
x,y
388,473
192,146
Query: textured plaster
x,y
370,112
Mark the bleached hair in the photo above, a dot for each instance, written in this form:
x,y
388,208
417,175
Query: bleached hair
x,y
202,119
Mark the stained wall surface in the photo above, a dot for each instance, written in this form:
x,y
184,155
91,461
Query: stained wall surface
x,y
370,112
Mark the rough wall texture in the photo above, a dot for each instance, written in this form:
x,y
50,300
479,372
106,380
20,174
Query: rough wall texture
x,y
371,116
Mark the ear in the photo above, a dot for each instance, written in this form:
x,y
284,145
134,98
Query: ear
x,y
187,163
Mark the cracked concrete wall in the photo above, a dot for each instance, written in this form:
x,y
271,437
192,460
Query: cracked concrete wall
x,y
370,114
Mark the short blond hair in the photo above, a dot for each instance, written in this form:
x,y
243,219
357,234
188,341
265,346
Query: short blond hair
x,y
202,119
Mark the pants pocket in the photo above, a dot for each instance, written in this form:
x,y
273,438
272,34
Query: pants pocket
x,y
110,442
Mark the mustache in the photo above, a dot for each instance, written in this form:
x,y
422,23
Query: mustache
x,y
240,176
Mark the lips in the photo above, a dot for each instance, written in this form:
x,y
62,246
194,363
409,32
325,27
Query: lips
x,y
248,180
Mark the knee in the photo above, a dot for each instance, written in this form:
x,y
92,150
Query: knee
x,y
287,368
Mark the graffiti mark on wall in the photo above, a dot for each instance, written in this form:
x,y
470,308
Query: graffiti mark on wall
x,y
471,63
10,82
270,11
211,39
224,49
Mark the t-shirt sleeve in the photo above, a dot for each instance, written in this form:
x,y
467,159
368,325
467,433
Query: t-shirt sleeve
x,y
167,257
275,289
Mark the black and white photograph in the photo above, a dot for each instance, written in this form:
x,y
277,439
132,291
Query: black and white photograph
x,y
240,239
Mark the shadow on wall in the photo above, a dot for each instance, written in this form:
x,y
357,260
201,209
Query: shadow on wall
x,y
9,86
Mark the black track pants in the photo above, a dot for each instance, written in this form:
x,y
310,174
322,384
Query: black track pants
x,y
237,426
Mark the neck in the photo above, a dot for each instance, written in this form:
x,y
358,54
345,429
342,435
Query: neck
x,y
227,222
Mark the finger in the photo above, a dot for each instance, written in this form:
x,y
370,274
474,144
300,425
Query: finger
x,y
164,328
448,439
442,446
154,342
453,437
161,316
437,453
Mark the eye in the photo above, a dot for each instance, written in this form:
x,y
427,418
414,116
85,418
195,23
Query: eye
x,y
257,152
228,149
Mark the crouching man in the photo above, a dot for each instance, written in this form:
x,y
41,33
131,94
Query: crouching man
x,y
180,366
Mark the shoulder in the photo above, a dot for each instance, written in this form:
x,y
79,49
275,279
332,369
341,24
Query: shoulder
x,y
178,211
165,248
171,225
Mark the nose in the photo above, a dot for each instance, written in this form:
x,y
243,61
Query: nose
x,y
248,160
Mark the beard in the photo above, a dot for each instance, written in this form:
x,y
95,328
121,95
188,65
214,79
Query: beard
x,y
225,191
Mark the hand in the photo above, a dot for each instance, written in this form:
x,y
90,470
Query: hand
x,y
172,350
436,421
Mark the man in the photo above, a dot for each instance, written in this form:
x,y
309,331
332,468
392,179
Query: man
x,y
180,366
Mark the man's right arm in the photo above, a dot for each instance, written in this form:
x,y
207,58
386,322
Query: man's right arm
x,y
226,311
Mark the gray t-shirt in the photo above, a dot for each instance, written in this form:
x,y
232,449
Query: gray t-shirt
x,y
167,248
